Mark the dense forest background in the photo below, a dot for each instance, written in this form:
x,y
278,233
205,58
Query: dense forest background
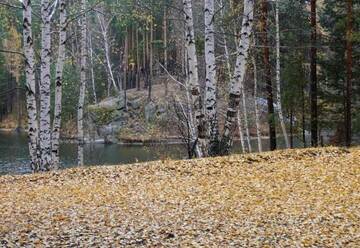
x,y
140,46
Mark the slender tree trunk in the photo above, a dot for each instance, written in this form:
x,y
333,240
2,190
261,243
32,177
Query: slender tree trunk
x,y
191,122
151,74
104,25
193,77
30,85
246,120
291,128
278,77
165,31
269,88
238,77
58,86
257,112
137,59
241,132
210,84
83,64
349,65
144,58
91,51
126,65
303,118
18,106
313,75
226,48
45,125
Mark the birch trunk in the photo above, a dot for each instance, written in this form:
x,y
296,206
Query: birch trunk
x,y
278,79
238,77
192,129
226,48
193,77
45,83
257,112
210,84
58,85
104,26
30,85
80,121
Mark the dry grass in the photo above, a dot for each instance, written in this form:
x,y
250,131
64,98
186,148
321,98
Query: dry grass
x,y
294,198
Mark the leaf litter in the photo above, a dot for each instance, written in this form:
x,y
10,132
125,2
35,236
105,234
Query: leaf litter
x,y
297,198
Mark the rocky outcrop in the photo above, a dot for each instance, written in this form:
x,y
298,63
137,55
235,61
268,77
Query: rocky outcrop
x,y
111,121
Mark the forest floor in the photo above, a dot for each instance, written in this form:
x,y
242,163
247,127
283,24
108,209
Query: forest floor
x,y
286,198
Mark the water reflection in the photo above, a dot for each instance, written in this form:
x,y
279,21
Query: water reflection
x,y
14,153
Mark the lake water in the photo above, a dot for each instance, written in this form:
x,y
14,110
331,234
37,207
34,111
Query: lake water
x,y
14,153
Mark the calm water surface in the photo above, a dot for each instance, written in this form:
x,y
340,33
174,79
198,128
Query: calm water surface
x,y
14,154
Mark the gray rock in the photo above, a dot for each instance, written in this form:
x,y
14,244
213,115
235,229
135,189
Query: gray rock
x,y
150,111
134,104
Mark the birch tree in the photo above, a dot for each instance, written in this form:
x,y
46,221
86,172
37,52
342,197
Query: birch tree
x,y
238,76
58,85
83,60
30,84
278,74
193,78
226,48
104,27
210,84
45,83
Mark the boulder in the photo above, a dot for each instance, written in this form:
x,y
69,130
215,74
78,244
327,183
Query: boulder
x,y
150,111
134,104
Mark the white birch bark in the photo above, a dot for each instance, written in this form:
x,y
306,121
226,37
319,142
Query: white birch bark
x,y
104,26
226,48
45,83
192,128
58,85
30,85
278,76
210,84
257,112
83,60
238,77
194,77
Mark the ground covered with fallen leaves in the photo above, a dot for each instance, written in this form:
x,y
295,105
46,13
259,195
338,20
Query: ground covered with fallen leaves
x,y
288,198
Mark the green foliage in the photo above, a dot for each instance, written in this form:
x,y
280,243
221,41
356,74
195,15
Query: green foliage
x,y
102,116
333,18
